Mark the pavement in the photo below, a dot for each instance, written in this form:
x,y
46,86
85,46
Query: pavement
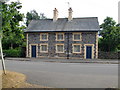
x,y
102,61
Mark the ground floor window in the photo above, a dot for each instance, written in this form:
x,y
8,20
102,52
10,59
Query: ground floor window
x,y
43,47
59,48
76,48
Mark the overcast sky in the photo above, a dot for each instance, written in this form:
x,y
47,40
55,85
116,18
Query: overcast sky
x,y
81,8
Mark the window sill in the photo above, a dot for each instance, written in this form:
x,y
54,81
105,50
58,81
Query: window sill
x,y
77,40
59,52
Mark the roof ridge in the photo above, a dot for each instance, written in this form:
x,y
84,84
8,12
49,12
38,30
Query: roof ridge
x,y
67,18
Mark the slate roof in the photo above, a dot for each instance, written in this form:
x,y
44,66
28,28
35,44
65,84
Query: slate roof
x,y
62,24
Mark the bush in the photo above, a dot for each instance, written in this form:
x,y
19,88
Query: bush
x,y
12,52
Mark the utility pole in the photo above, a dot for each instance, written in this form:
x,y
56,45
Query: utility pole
x,y
1,52
119,12
2,59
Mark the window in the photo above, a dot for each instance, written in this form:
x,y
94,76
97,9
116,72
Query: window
x,y
59,36
76,48
43,47
43,36
59,48
76,36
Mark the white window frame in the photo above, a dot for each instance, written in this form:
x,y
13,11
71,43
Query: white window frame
x,y
73,48
41,48
77,39
57,49
41,37
57,37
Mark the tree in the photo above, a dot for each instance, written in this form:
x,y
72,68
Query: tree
x,y
1,50
118,36
33,15
42,16
110,35
12,30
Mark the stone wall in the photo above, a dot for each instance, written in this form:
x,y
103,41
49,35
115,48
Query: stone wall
x,y
87,38
108,55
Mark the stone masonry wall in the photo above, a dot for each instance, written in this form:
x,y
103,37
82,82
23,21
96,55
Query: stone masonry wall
x,y
87,38
108,55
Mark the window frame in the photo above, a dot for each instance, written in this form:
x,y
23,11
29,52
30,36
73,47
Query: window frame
x,y
57,49
41,37
41,48
73,48
77,39
57,37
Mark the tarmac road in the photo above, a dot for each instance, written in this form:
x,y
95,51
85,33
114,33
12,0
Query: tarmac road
x,y
67,75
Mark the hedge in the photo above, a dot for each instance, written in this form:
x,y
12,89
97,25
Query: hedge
x,y
12,53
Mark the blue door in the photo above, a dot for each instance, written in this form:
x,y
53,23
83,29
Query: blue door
x,y
88,52
33,50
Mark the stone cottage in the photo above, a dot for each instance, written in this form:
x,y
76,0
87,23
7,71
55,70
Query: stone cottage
x,y
74,38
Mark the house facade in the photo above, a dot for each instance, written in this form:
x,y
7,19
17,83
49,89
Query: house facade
x,y
71,38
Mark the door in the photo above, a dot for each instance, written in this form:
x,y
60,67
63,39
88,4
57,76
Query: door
x,y
33,50
88,52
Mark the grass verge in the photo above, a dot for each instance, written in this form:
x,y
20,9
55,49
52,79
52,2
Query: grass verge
x,y
16,80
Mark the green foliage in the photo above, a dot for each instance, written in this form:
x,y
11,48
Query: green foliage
x,y
110,35
33,15
42,16
17,52
118,48
12,30
12,52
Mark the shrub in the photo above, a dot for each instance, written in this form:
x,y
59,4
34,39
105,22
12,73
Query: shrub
x,y
12,52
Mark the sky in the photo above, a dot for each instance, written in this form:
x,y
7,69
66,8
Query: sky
x,y
81,8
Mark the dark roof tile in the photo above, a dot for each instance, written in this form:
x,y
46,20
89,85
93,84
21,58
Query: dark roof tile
x,y
62,24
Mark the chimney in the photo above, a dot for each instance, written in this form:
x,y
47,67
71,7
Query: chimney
x,y
70,14
55,14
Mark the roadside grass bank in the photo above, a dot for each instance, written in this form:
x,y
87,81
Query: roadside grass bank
x,y
16,80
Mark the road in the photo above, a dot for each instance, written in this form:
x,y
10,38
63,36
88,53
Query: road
x,y
67,75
